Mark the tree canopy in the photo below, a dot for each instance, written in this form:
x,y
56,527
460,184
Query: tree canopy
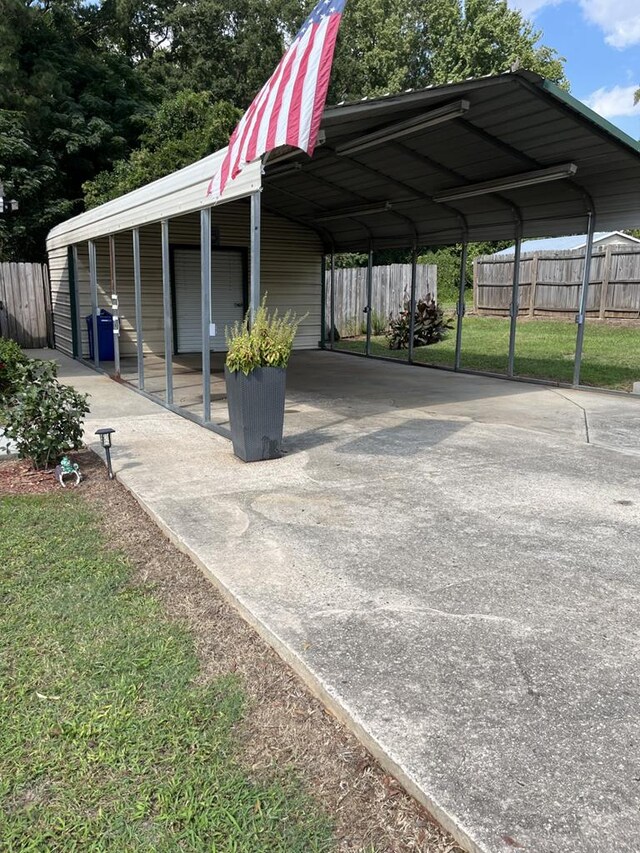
x,y
109,95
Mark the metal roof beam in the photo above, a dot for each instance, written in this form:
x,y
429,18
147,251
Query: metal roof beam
x,y
509,182
400,129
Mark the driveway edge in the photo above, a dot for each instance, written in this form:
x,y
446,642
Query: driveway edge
x,y
316,686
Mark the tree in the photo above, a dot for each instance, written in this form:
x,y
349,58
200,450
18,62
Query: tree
x,y
471,38
227,48
385,46
69,107
185,128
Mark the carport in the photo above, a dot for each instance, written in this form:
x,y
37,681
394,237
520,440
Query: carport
x,y
487,159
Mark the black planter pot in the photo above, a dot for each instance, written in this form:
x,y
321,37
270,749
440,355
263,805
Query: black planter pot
x,y
256,412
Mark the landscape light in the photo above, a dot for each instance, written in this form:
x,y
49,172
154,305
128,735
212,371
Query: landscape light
x,y
404,128
105,434
524,179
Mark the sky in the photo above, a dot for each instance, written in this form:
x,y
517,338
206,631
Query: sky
x,y
600,40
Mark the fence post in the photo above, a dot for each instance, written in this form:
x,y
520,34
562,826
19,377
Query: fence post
x,y
604,287
534,282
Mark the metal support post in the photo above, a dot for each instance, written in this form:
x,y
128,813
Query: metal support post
x,y
254,297
168,317
332,298
369,300
515,303
584,295
460,307
137,292
323,302
205,308
413,299
115,306
76,292
93,286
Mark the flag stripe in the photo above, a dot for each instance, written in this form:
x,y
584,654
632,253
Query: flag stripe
x,y
311,84
287,96
288,108
293,117
322,86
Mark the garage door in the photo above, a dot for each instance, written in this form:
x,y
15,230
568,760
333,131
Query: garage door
x,y
227,296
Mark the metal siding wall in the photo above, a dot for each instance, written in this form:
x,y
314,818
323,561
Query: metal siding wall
x,y
291,260
125,290
60,299
84,294
151,278
291,274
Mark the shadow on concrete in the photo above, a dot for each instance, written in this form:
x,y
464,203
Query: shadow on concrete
x,y
404,439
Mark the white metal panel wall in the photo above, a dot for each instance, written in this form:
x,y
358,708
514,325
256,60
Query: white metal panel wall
x,y
291,273
83,294
291,258
61,299
227,296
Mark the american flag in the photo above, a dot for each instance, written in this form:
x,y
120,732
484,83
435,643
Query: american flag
x,y
288,108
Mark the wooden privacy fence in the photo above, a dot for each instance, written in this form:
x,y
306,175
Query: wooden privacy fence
x,y
550,283
391,288
25,305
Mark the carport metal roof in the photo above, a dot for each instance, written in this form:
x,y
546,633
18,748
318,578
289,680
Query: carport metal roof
x,y
387,168
360,192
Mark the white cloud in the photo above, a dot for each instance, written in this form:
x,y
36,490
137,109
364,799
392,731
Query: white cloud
x,y
530,7
617,101
618,19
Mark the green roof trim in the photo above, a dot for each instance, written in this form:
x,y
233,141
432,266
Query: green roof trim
x,y
588,113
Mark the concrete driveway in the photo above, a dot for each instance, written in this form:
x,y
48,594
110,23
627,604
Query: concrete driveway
x,y
451,562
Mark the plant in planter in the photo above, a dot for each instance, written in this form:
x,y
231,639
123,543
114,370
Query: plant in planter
x,y
255,373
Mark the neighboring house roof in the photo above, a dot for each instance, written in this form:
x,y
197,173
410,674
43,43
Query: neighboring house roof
x,y
576,241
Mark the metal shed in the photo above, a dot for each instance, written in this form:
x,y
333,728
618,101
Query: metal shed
x,y
485,159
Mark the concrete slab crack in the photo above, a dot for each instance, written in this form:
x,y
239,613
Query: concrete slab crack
x,y
484,617
582,408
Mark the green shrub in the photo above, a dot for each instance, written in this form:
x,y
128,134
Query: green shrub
x,y
45,418
11,358
267,342
429,326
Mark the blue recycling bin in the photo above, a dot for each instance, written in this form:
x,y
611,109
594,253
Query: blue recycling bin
x,y
105,336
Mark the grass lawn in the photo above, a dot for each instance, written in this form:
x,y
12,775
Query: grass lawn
x,y
108,739
544,350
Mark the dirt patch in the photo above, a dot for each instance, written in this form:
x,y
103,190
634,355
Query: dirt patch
x,y
18,478
285,726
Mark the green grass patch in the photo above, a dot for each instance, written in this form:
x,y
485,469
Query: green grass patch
x,y
544,350
106,741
